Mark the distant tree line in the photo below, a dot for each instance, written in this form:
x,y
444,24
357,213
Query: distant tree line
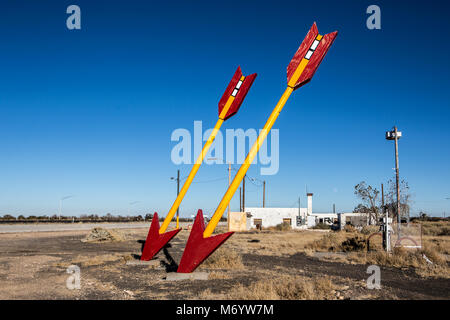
x,y
7,218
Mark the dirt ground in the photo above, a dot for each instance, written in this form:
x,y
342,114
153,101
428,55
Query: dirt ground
x,y
33,266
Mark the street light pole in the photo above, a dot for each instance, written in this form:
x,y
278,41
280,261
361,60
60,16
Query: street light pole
x,y
243,193
178,192
397,175
395,135
229,182
240,199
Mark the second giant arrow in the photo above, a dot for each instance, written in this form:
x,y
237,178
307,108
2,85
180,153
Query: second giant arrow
x,y
229,104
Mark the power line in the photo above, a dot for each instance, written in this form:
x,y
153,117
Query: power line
x,y
213,180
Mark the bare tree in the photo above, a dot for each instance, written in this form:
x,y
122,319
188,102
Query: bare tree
x,y
368,195
391,198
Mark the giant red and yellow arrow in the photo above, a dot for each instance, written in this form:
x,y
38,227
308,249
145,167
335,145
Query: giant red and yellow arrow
x,y
229,104
299,72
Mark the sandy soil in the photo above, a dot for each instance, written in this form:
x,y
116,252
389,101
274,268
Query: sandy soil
x,y
33,266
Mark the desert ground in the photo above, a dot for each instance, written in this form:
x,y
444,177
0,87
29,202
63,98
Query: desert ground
x,y
267,264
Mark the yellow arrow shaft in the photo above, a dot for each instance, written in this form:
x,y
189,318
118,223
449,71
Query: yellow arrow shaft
x,y
244,167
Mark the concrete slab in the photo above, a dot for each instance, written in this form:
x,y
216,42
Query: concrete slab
x,y
151,263
175,276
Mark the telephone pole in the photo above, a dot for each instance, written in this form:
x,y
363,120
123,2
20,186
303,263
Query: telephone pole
x,y
264,193
395,135
397,175
178,192
229,182
240,199
243,193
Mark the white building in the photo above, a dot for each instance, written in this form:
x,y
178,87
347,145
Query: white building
x,y
298,218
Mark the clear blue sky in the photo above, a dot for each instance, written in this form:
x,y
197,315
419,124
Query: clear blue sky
x,y
89,112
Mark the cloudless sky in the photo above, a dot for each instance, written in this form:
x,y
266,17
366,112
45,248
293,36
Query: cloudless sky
x,y
90,112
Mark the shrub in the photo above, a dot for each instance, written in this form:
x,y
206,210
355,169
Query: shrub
x,y
368,230
349,228
283,226
322,226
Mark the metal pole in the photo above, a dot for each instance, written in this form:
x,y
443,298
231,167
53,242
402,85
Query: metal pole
x,y
243,194
240,199
229,182
178,192
264,193
334,208
397,180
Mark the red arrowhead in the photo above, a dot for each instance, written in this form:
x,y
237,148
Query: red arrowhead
x,y
313,52
199,248
155,241
238,90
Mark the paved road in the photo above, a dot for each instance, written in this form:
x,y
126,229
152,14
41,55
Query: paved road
x,y
18,228
52,227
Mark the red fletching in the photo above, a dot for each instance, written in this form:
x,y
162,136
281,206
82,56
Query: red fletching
x,y
315,59
239,96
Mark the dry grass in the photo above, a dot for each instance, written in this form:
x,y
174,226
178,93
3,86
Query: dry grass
x,y
355,244
402,258
219,275
223,258
441,244
368,230
275,243
85,261
331,241
435,228
286,288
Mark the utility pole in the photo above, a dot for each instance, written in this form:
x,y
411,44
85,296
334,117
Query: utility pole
x,y
178,192
334,208
395,135
229,182
386,238
383,209
240,199
397,176
264,193
243,194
